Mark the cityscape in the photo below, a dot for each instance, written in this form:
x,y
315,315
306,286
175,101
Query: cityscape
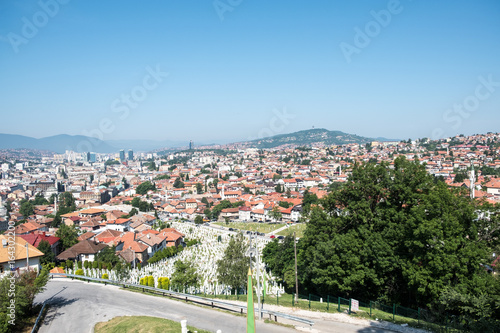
x,y
235,166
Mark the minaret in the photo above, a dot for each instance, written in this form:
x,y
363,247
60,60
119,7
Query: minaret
x,y
472,182
222,193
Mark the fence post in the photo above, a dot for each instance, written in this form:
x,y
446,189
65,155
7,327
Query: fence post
x,y
339,304
393,311
370,308
293,299
278,298
418,316
350,301
309,301
327,302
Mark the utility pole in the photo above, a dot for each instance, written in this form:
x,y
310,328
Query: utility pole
x,y
27,257
258,281
296,279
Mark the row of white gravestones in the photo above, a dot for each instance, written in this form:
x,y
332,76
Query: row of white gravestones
x,y
205,255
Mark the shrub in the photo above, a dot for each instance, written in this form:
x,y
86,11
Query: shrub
x,y
141,281
94,264
151,281
105,276
80,265
86,264
163,283
79,272
139,266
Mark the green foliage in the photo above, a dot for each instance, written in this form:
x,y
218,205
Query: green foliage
x,y
40,200
185,275
232,269
165,253
79,272
48,255
26,287
285,204
199,188
111,162
66,203
280,258
145,188
460,177
161,177
151,281
105,276
178,183
393,235
308,200
68,236
164,283
26,208
108,255
143,206
275,213
198,219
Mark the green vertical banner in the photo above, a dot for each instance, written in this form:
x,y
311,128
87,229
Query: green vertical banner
x,y
250,310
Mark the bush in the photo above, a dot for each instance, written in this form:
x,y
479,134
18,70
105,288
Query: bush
x,y
94,264
163,283
151,281
80,265
69,264
141,281
86,264
79,272
105,276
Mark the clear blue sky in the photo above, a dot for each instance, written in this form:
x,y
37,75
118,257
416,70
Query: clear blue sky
x,y
230,72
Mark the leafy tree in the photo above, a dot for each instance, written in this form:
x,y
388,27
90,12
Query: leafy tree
x,y
232,269
66,203
48,255
145,188
460,177
285,204
185,275
68,236
275,213
40,200
308,200
108,254
26,208
178,183
199,188
198,219
393,235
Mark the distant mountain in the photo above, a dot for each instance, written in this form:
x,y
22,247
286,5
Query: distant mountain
x,y
57,143
317,136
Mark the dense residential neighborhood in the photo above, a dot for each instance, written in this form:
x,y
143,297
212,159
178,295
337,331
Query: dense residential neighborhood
x,y
126,201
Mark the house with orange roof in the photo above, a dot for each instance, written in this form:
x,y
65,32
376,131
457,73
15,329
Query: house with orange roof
x,y
25,256
120,224
35,239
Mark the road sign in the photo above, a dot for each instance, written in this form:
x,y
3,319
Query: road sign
x,y
354,305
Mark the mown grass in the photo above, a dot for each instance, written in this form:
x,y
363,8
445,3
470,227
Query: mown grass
x,y
141,324
299,229
252,226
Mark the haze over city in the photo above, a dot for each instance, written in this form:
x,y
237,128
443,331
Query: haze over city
x,y
217,71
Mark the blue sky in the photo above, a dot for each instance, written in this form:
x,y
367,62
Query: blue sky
x,y
229,70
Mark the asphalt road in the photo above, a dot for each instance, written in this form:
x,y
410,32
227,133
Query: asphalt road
x,y
76,306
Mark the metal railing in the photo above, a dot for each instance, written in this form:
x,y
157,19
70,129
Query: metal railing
x,y
188,297
33,330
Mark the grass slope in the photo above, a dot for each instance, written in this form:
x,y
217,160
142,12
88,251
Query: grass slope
x,y
141,324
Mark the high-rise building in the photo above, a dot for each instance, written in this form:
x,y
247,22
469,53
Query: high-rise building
x,y
130,155
191,146
92,158
86,156
122,155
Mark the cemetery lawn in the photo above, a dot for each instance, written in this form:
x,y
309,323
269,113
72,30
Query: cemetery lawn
x,y
252,226
298,228
141,324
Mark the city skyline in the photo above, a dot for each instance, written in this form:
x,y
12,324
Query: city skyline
x,y
224,71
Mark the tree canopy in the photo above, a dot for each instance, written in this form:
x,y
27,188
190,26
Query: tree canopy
x,y
395,235
232,269
145,187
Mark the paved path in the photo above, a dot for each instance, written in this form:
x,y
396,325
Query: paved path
x,y
76,306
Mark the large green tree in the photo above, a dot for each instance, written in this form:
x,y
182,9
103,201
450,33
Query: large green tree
x,y
26,208
145,187
68,236
185,275
232,268
48,255
393,234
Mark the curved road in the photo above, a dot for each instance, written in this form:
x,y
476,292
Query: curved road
x,y
76,306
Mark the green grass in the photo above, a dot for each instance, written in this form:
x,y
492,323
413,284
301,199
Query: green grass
x,y
252,226
299,229
141,324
